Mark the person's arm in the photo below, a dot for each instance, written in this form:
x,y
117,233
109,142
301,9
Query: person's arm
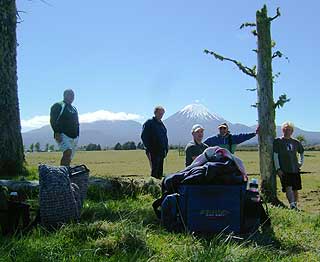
x,y
238,139
301,159
276,158
167,142
301,154
190,155
78,125
145,135
211,141
276,161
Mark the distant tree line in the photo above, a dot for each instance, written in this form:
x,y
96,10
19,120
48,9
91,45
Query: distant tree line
x,y
35,147
93,147
130,145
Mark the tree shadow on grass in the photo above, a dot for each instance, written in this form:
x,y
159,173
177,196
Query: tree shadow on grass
x,y
102,211
266,238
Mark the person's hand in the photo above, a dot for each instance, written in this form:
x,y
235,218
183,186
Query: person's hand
x,y
57,137
257,129
166,152
280,173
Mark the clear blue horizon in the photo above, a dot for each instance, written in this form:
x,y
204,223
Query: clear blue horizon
x,y
131,56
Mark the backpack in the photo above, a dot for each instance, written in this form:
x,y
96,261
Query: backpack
x,y
254,214
171,216
59,199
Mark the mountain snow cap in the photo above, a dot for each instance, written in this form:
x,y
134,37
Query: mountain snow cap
x,y
198,111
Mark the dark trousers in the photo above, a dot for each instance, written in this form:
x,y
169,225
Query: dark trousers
x,y
156,165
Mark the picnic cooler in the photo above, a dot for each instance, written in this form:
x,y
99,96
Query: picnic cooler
x,y
211,208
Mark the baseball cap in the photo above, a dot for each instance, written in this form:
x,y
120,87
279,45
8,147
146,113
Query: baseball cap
x,y
196,127
223,125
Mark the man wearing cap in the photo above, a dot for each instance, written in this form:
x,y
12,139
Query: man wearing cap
x,y
196,147
155,141
286,163
64,121
226,140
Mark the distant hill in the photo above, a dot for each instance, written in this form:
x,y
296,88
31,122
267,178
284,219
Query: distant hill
x,y
108,133
105,133
179,124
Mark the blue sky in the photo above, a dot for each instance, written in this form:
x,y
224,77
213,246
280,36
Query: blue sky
x,y
124,57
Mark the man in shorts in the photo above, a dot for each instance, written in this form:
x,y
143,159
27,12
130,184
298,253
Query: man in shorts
x,y
286,163
64,121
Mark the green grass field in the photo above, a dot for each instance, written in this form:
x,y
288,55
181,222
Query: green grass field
x,y
135,164
125,228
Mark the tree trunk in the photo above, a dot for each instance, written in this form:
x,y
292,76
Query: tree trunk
x,y
11,147
266,109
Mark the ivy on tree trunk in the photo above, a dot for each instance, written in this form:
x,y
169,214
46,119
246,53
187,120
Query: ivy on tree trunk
x,y
265,105
11,146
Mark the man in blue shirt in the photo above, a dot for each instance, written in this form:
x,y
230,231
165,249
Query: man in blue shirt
x,y
226,140
155,140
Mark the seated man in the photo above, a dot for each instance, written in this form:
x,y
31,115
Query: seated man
x,y
225,140
195,147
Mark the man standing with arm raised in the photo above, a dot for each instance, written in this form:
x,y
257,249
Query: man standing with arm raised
x,y
64,121
226,140
155,140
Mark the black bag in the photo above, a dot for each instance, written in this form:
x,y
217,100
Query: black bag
x,y
14,214
79,175
254,214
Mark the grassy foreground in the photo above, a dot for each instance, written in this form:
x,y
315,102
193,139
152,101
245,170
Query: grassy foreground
x,y
134,164
125,229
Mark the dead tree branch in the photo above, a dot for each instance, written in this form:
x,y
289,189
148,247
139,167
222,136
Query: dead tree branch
x,y
247,70
247,24
281,101
279,54
277,15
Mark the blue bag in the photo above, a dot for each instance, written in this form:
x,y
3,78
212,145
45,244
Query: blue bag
x,y
212,208
170,213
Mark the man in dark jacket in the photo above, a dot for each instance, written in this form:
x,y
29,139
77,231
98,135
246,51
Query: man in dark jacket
x,y
226,140
155,140
65,124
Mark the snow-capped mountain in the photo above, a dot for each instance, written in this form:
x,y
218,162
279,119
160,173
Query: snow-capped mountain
x,y
179,124
198,112
108,133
